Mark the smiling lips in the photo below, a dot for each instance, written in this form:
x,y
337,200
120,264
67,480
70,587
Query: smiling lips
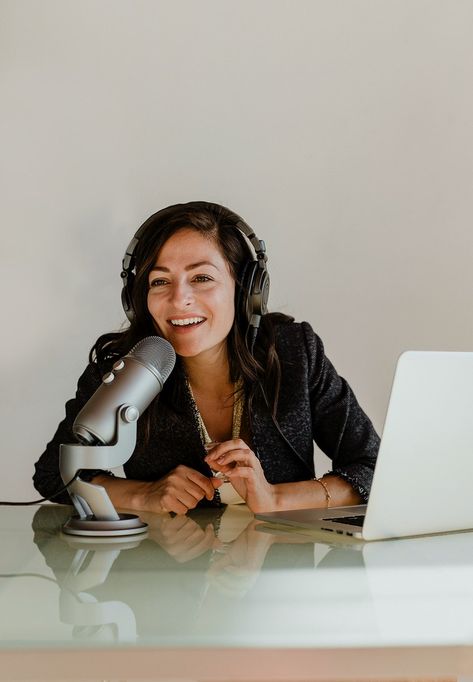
x,y
186,323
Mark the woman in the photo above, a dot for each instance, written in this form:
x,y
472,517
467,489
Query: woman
x,y
250,391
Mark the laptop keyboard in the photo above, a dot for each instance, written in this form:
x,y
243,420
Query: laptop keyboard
x,y
351,520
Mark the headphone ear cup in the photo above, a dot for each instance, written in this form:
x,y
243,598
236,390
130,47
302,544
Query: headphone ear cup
x,y
259,291
242,304
127,301
254,292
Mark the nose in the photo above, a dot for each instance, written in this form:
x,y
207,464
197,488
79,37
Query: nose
x,y
181,295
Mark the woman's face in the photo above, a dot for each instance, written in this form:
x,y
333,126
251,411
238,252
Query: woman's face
x,y
191,294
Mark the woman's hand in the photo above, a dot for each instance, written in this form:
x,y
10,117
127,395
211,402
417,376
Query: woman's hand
x,y
180,490
243,469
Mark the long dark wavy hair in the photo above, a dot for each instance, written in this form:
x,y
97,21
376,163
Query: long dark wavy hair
x,y
260,371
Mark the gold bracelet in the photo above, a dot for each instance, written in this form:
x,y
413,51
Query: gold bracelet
x,y
328,496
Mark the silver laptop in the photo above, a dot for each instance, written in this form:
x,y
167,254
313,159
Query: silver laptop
x,y
423,477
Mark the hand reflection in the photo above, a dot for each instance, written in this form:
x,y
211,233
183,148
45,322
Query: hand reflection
x,y
180,536
235,567
235,570
237,555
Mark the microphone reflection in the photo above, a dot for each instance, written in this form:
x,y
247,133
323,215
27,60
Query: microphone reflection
x,y
91,618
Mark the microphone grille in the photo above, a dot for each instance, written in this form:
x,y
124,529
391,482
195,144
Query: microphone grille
x,y
156,354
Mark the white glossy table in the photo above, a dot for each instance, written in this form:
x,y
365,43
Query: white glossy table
x,y
254,604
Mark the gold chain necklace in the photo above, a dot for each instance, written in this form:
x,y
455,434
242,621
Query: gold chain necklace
x,y
238,405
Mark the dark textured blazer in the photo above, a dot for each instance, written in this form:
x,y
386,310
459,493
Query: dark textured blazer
x,y
315,404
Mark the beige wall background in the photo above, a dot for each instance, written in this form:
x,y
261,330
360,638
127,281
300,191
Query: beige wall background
x,y
341,130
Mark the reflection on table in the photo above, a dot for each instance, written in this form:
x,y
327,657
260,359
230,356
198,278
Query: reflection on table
x,y
220,578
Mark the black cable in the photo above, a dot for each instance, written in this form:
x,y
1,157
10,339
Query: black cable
x,y
43,499
252,333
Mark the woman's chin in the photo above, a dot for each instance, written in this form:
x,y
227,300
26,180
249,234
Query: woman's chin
x,y
198,350
186,350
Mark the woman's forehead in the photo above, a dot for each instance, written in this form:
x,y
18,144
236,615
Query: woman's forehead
x,y
187,246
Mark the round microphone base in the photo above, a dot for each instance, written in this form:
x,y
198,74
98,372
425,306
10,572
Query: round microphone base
x,y
127,524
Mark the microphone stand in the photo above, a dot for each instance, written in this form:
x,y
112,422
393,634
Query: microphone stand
x,y
96,515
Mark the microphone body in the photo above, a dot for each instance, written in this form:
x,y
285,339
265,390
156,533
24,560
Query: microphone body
x,y
135,379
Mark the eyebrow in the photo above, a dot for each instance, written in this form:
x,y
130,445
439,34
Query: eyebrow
x,y
192,266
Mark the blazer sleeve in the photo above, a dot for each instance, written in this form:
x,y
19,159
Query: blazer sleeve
x,y
339,426
47,479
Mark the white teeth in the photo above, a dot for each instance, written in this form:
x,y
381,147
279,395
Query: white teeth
x,y
185,323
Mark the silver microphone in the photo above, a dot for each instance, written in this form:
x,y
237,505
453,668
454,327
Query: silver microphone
x,y
106,428
135,380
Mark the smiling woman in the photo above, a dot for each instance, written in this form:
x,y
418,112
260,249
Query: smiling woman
x,y
191,294
251,390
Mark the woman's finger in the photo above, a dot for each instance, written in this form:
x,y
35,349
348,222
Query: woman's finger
x,y
241,472
179,487
202,483
171,504
240,457
227,446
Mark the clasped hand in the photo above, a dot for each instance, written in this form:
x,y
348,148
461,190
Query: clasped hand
x,y
242,468
183,487
180,490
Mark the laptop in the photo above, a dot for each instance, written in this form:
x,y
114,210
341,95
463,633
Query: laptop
x,y
423,477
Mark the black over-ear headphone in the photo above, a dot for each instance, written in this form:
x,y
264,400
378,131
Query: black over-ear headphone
x,y
252,300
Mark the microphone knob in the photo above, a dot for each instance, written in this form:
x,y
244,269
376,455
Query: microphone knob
x,y
130,414
108,378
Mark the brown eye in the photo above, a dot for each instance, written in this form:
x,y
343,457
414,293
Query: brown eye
x,y
157,283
